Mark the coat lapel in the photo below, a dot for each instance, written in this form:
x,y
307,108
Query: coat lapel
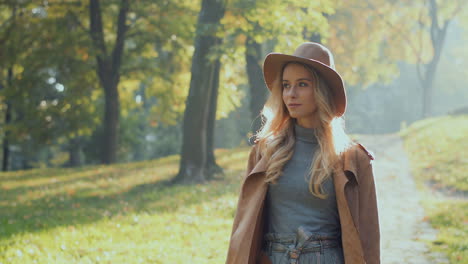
x,y
261,166
352,248
247,237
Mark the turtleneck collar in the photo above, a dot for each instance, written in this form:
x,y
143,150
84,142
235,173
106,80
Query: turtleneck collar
x,y
304,134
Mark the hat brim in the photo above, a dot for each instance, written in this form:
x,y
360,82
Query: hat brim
x,y
273,65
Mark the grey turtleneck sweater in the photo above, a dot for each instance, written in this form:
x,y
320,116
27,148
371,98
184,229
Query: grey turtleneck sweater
x,y
289,203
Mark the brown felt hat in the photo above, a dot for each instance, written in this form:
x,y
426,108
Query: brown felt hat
x,y
317,57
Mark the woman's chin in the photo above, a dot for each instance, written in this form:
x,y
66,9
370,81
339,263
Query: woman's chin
x,y
294,114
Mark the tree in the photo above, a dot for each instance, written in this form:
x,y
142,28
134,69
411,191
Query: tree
x,y
204,83
55,77
108,71
16,68
10,24
437,30
401,37
48,92
6,141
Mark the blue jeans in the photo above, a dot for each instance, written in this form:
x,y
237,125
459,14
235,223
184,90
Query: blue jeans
x,y
303,248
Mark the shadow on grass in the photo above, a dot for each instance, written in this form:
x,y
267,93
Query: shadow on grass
x,y
88,205
68,180
27,175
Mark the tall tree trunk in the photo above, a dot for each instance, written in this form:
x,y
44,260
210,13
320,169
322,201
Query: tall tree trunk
x,y
438,34
108,72
111,123
141,149
194,154
6,143
74,149
258,90
211,166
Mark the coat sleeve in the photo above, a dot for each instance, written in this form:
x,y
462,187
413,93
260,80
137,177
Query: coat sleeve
x,y
232,250
369,229
250,165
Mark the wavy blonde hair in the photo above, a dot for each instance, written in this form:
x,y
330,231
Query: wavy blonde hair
x,y
276,136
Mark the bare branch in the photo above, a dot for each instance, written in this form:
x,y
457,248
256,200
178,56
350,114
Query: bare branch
x,y
96,29
433,13
120,39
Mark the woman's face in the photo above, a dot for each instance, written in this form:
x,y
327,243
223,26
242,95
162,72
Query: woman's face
x,y
298,94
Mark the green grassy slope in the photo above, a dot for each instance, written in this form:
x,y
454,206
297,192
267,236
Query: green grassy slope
x,y
125,213
122,213
438,149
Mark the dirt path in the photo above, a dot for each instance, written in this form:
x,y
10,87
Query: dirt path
x,y
400,212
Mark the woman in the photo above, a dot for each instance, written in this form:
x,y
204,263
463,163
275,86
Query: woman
x,y
309,193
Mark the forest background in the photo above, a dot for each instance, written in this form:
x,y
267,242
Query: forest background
x,y
100,82
107,105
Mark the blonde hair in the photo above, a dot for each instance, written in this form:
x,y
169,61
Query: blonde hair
x,y
276,136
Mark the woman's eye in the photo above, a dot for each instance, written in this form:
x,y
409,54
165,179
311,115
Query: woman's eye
x,y
286,85
302,84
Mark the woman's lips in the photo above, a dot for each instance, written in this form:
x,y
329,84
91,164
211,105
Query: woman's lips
x,y
293,105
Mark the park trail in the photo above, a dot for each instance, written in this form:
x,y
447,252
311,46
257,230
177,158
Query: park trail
x,y
402,220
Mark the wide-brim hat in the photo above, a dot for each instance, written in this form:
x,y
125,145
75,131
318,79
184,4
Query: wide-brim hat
x,y
317,57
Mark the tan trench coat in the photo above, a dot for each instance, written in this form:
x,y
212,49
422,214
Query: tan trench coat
x,y
357,207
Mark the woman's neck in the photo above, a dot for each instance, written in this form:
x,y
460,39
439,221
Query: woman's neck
x,y
308,122
304,133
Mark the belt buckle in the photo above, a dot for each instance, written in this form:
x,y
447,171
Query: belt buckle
x,y
293,256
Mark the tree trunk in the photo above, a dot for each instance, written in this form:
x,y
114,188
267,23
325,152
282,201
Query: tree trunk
x,y
108,67
427,88
111,123
437,40
211,166
258,90
141,148
194,154
74,149
6,143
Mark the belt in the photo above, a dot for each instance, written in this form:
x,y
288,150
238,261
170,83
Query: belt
x,y
293,245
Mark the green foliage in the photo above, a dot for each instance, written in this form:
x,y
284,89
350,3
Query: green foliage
x,y
56,96
55,93
51,89
125,213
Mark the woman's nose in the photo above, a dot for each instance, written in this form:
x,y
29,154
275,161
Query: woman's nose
x,y
293,91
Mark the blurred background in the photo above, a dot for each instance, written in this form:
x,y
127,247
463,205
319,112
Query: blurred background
x,y
172,90
76,90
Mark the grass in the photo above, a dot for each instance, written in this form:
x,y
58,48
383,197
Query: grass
x,y
438,152
124,213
